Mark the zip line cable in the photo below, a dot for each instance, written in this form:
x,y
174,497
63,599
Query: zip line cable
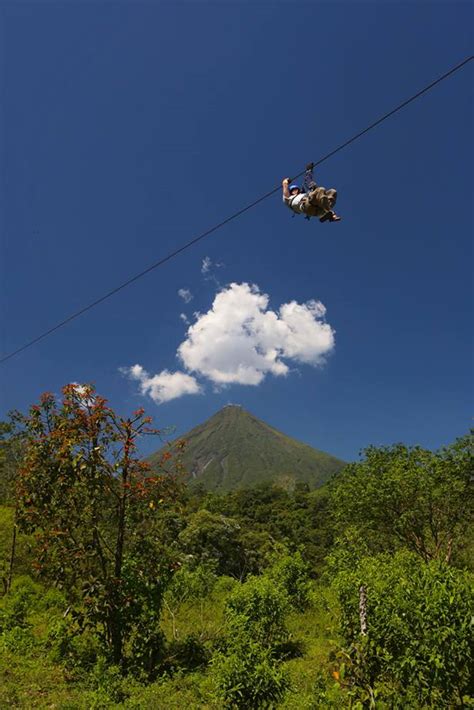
x,y
233,216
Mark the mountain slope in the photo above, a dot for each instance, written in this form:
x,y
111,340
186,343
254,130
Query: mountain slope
x,y
233,449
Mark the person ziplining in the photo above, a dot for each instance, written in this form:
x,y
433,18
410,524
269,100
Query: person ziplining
x,y
312,201
319,204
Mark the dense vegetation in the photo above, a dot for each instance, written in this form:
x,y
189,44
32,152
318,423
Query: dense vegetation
x,y
123,588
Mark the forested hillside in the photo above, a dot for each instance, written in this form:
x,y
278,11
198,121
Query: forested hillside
x,y
124,587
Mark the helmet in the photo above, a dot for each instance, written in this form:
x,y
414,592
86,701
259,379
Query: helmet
x,y
294,187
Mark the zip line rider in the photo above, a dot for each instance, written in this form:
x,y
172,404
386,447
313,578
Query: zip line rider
x,y
313,201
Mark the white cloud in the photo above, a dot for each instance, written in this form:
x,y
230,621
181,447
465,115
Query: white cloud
x,y
239,340
184,318
185,294
165,386
207,270
206,265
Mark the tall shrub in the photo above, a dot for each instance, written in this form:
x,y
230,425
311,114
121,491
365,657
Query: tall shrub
x,y
246,672
258,608
418,644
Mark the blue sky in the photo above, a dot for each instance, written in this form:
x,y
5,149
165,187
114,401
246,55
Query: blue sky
x,y
127,128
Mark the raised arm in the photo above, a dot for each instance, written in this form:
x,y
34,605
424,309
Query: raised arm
x,y
284,184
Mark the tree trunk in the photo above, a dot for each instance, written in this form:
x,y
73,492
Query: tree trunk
x,y
363,610
116,630
449,551
115,616
116,633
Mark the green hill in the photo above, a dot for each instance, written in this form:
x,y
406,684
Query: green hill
x,y
233,449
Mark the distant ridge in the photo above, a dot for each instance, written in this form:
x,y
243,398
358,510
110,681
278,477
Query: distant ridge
x,y
233,449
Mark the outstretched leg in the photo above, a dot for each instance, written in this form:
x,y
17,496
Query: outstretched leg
x,y
311,208
330,217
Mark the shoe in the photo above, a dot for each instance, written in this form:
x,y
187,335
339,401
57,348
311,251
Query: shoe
x,y
326,218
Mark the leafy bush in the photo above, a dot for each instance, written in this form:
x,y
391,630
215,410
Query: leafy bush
x,y
327,693
192,582
225,585
109,685
18,639
247,676
15,606
53,599
187,654
13,615
419,641
258,608
77,651
246,671
26,587
291,574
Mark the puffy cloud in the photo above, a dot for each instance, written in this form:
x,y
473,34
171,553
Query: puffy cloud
x,y
185,294
165,386
240,340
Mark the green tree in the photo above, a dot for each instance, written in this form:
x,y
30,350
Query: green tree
x,y
411,497
209,537
275,517
96,514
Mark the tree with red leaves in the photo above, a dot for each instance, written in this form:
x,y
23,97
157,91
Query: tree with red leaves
x,y
97,512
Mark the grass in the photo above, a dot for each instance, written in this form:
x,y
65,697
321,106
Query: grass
x,y
30,678
316,630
